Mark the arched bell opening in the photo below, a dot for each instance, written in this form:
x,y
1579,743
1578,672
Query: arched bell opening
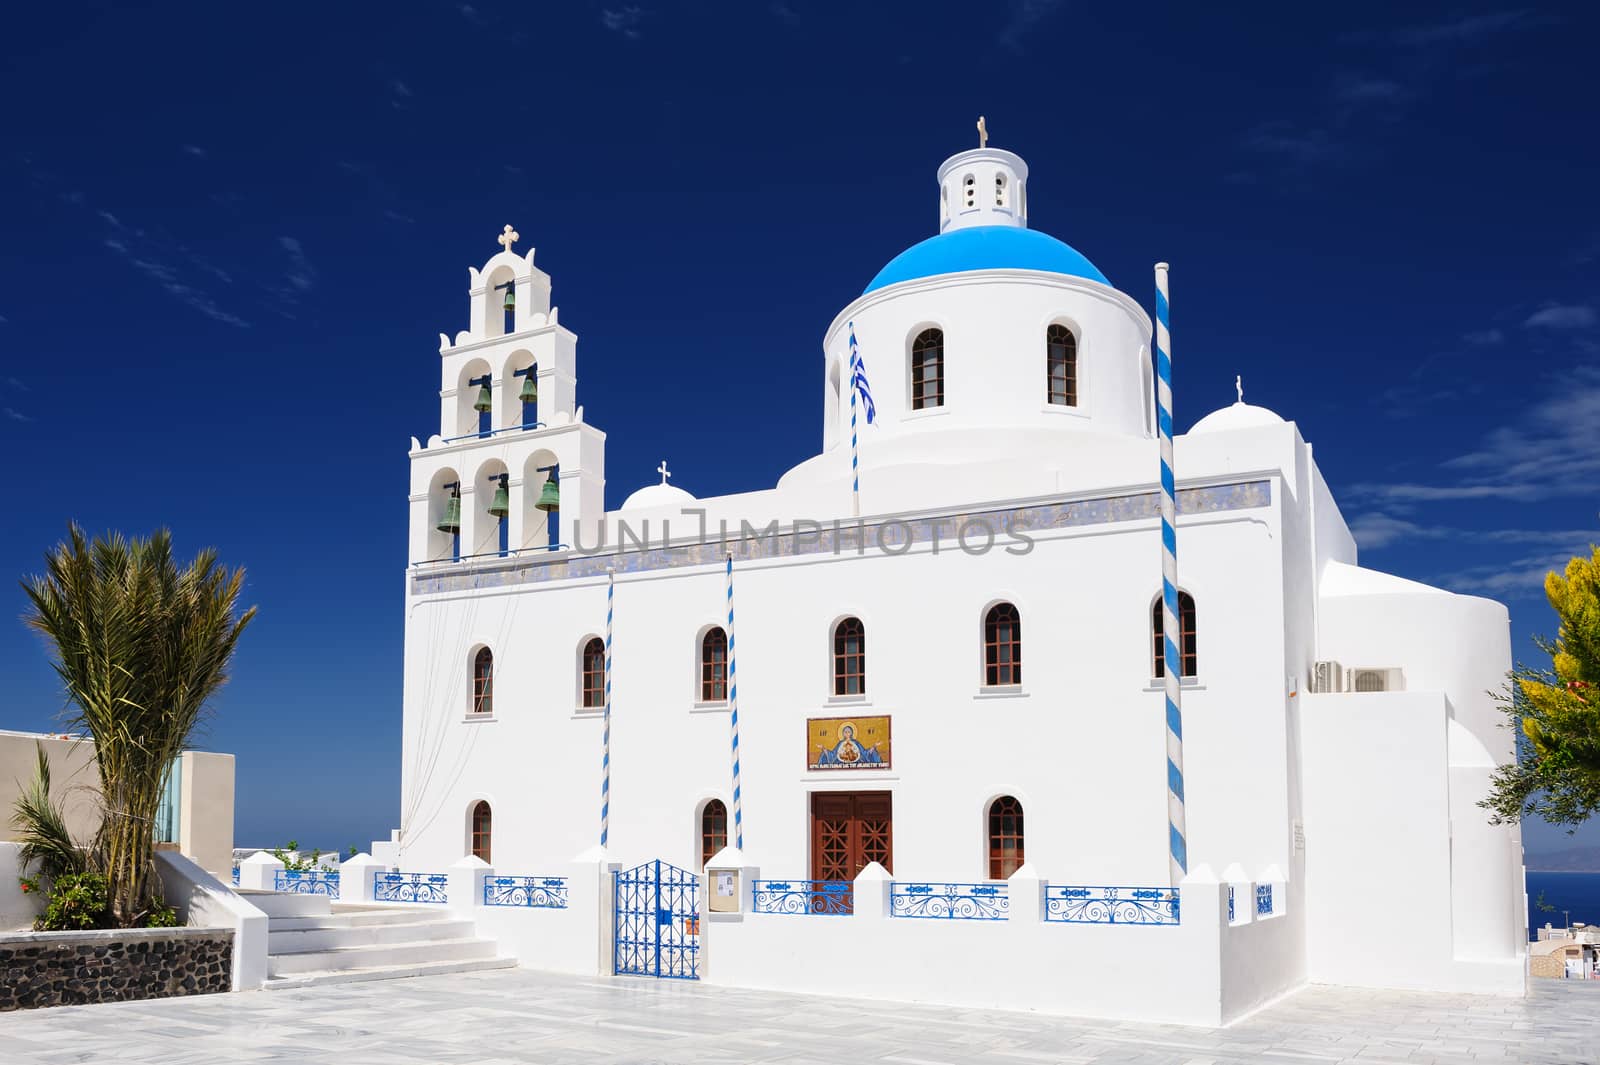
x,y
474,399
520,381
541,500
491,492
500,294
444,516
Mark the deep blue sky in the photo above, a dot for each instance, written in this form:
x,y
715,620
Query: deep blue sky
x,y
229,237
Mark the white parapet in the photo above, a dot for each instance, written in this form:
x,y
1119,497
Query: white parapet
x,y
203,901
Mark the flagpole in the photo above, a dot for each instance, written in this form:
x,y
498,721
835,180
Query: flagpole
x,y
733,706
605,758
855,454
1177,819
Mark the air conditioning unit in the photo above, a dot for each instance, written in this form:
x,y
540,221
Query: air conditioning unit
x,y
1327,677
1377,680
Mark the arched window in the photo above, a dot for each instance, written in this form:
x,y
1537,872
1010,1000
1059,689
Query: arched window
x,y
481,830
1005,837
1188,655
1061,358
594,673
1002,645
927,370
849,658
970,184
714,666
483,682
999,190
713,830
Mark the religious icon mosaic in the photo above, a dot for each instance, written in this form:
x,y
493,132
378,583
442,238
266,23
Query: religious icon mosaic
x,y
847,743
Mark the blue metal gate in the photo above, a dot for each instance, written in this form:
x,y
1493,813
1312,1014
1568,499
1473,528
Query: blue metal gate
x,y
657,922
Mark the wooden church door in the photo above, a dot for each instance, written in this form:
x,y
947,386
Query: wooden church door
x,y
848,830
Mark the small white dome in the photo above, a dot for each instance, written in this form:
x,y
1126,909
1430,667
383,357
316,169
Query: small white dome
x,y
657,495
1240,415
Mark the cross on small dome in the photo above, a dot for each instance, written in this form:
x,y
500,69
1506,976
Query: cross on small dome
x,y
663,471
1238,386
508,237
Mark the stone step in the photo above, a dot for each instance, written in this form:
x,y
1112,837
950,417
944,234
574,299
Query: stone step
x,y
379,955
386,972
283,904
321,937
355,918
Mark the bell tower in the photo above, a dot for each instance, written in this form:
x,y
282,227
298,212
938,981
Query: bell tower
x,y
513,468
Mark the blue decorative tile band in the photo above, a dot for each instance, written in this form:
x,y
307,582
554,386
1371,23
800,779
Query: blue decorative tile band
x,y
842,538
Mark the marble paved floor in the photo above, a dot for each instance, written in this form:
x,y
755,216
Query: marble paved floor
x,y
511,1015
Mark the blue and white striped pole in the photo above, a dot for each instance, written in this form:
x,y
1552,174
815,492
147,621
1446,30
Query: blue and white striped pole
x,y
733,706
855,455
605,758
1177,821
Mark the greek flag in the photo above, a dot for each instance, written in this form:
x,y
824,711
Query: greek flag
x,y
858,379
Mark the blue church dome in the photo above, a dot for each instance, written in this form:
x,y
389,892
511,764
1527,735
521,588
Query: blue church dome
x,y
986,248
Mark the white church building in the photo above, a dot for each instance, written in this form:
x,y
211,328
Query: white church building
x,y
948,688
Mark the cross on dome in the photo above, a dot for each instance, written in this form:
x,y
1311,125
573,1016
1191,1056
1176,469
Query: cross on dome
x,y
1238,386
983,133
507,238
663,471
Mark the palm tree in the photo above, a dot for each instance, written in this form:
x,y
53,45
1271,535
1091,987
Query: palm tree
x,y
141,645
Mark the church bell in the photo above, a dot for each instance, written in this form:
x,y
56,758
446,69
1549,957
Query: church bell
x,y
530,391
550,495
510,303
485,400
500,506
451,522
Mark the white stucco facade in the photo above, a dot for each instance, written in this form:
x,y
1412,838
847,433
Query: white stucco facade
x,y
1025,485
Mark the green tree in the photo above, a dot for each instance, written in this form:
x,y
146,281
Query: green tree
x,y
1556,711
141,644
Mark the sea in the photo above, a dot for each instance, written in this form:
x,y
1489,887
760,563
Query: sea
x,y
1577,893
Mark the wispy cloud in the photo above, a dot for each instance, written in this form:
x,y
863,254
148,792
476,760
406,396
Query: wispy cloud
x,y
1382,530
624,20
1484,338
302,275
1298,146
14,415
194,150
783,12
1460,30
1518,578
1025,15
12,382
1550,452
472,15
1392,71
168,277
1562,316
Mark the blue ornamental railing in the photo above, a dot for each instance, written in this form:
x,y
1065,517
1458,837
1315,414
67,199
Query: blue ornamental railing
x,y
410,887
307,881
235,876
829,897
958,902
1263,900
1111,905
540,892
1230,904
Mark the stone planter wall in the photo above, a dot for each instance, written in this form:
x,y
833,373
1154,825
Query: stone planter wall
x,y
115,965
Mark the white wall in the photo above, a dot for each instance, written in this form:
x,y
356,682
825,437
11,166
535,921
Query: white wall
x,y
1082,746
17,907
